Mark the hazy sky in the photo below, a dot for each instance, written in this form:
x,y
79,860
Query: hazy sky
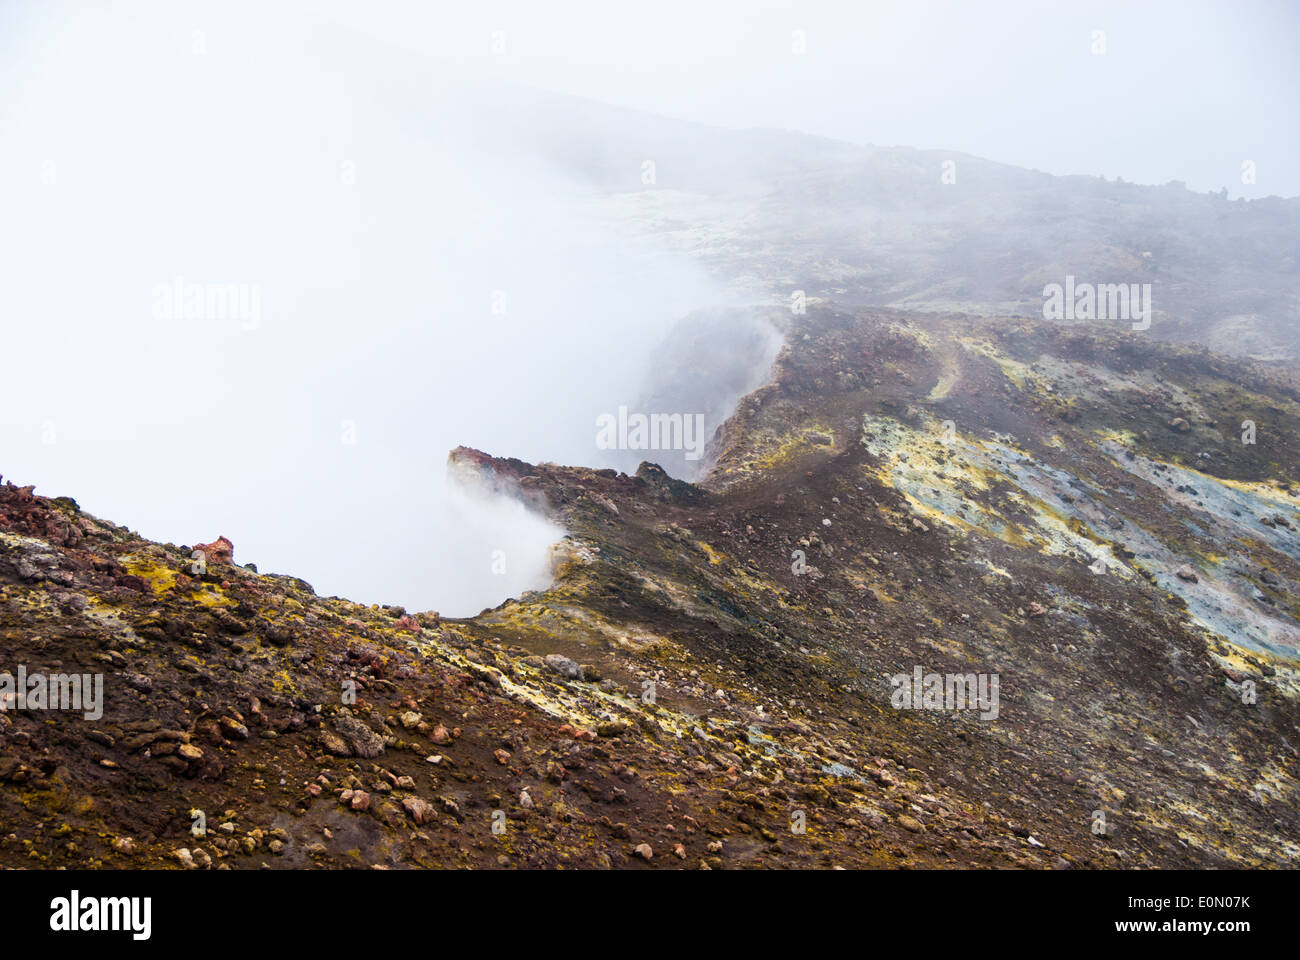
x,y
1185,89
145,142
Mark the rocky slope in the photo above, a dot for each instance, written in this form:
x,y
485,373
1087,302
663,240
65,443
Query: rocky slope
x,y
707,681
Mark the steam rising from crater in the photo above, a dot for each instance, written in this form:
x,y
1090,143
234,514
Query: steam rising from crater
x,y
427,272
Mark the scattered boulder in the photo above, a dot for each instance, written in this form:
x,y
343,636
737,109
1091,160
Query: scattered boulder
x,y
219,550
564,666
421,810
334,744
232,729
363,741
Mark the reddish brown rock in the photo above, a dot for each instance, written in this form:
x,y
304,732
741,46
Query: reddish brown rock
x,y
219,550
421,811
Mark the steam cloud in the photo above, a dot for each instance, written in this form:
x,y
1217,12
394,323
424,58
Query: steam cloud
x,y
315,438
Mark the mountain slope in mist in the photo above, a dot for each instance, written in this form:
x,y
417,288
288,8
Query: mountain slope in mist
x,y
712,678
778,212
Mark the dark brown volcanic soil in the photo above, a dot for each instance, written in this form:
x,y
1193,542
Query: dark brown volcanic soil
x,y
997,498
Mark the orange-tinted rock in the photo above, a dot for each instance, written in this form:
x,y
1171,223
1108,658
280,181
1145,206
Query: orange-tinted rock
x,y
219,550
